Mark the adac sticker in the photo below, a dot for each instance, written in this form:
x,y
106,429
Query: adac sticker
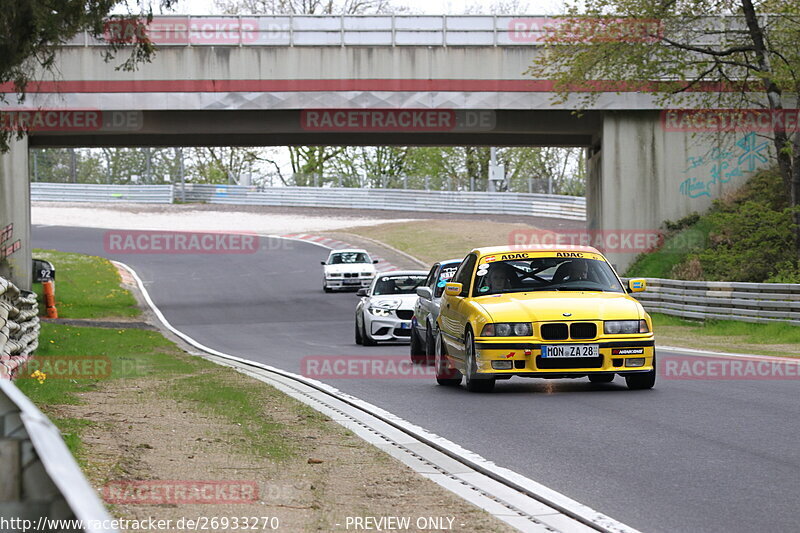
x,y
519,255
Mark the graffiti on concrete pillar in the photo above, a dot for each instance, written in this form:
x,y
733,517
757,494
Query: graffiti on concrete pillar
x,y
720,166
6,235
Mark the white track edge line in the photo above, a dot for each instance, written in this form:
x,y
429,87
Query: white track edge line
x,y
546,495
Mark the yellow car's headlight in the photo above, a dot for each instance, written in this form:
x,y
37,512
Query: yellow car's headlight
x,y
507,329
614,327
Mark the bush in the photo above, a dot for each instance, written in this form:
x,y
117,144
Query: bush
x,y
748,235
747,244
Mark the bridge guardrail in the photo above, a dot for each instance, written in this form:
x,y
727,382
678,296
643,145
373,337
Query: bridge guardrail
x,y
335,30
90,192
502,203
19,327
723,300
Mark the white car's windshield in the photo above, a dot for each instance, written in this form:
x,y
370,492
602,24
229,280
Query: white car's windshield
x,y
545,274
397,284
348,257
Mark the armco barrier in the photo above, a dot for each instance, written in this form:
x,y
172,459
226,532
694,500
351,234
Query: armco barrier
x,y
19,327
504,203
89,192
40,481
499,203
722,300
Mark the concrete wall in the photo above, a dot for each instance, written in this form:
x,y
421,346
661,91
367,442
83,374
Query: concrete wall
x,y
15,208
649,175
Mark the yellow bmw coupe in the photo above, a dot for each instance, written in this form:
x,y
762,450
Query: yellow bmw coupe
x,y
542,312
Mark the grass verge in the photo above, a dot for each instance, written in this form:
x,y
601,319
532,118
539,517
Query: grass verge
x,y
87,287
434,240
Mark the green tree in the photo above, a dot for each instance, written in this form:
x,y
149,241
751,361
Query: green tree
x,y
675,46
31,32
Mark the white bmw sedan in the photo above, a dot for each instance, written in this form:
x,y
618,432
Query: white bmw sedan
x,y
386,307
347,269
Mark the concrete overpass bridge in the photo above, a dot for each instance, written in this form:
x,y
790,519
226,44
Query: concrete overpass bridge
x,y
364,80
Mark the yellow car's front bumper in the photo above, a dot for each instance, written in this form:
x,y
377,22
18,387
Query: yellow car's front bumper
x,y
619,356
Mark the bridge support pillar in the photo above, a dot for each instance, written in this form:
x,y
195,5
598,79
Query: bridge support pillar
x,y
646,173
15,215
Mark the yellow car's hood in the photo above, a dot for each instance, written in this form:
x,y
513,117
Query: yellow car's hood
x,y
550,305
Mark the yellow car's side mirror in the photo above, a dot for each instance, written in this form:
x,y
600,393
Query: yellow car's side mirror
x,y
453,289
637,285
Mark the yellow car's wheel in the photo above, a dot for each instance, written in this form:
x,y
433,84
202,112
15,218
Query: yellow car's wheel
x,y
645,380
445,375
475,382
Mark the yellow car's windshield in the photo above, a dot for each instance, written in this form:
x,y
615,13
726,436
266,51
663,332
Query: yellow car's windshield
x,y
545,274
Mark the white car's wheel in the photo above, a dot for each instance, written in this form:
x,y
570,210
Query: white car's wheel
x,y
359,338
365,338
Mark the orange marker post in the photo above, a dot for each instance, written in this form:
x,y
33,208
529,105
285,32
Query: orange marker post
x,y
49,289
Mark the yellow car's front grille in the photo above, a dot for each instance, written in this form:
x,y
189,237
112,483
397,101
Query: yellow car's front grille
x,y
561,331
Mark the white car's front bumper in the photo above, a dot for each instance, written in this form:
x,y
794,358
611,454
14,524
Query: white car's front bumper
x,y
389,328
348,283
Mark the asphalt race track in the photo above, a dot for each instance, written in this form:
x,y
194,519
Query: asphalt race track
x,y
687,456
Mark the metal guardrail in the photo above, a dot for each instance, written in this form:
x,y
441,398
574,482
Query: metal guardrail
x,y
503,203
40,482
333,30
19,327
722,300
87,192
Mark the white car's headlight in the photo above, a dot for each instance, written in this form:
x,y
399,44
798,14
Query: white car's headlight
x,y
332,275
367,274
614,327
507,329
379,311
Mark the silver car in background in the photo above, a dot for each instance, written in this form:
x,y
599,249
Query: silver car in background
x,y
426,310
385,309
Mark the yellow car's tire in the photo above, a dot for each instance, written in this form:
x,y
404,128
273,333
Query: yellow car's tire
x,y
449,377
475,383
645,380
